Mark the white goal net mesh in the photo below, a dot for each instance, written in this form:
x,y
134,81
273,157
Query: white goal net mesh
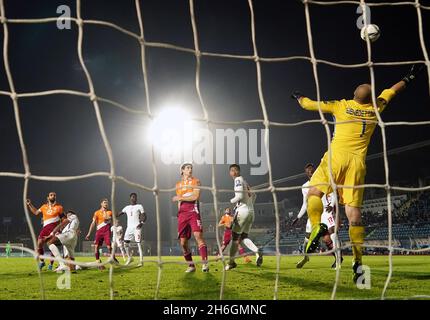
x,y
91,94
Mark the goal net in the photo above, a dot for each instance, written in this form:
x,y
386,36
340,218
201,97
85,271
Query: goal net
x,y
268,123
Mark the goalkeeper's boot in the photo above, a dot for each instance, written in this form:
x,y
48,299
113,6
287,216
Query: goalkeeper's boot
x,y
41,265
259,258
140,264
302,262
230,265
205,267
247,260
315,236
357,272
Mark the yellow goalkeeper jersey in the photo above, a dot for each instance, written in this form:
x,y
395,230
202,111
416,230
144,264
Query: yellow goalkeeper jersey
x,y
354,122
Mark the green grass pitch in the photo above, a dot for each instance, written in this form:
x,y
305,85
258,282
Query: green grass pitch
x,y
411,277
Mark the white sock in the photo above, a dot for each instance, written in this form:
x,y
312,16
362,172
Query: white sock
x,y
139,246
56,254
233,250
250,245
335,240
127,249
122,251
336,243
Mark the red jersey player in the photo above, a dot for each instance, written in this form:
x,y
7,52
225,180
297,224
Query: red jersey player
x,y
51,214
227,221
189,221
102,219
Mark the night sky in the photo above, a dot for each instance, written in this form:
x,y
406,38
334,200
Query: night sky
x,y
61,133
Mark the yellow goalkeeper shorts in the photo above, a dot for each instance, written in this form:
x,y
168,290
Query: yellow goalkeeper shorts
x,y
348,170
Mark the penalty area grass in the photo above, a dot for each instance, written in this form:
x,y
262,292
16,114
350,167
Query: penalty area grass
x,y
411,278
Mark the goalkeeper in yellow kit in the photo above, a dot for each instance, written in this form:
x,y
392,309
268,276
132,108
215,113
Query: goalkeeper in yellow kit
x,y
355,121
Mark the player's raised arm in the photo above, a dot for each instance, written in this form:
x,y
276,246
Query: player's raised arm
x,y
302,209
406,80
195,196
312,105
221,222
32,208
59,227
388,94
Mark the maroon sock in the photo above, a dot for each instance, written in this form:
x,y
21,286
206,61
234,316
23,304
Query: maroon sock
x,y
242,251
189,258
97,255
203,253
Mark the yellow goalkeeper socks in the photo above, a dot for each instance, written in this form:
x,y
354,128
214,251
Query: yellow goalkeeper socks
x,y
356,235
315,209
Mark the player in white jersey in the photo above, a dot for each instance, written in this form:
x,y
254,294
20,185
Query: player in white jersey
x,y
329,236
68,238
243,218
136,217
118,241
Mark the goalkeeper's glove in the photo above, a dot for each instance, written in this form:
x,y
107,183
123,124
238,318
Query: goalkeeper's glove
x,y
296,95
413,72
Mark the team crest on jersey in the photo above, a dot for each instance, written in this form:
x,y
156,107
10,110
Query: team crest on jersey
x,y
238,183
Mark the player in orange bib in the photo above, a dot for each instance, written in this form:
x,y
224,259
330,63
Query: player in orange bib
x,y
227,222
189,221
52,212
102,220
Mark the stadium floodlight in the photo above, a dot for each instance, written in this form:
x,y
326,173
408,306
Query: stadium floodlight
x,y
170,121
171,133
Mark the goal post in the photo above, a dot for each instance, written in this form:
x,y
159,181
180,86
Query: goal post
x,y
17,249
11,249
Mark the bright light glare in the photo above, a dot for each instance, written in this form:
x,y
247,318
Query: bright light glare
x,y
168,124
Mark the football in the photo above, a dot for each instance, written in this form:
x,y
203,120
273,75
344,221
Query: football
x,y
372,31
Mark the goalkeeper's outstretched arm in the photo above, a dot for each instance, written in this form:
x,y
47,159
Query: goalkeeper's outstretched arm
x,y
410,77
312,105
387,95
